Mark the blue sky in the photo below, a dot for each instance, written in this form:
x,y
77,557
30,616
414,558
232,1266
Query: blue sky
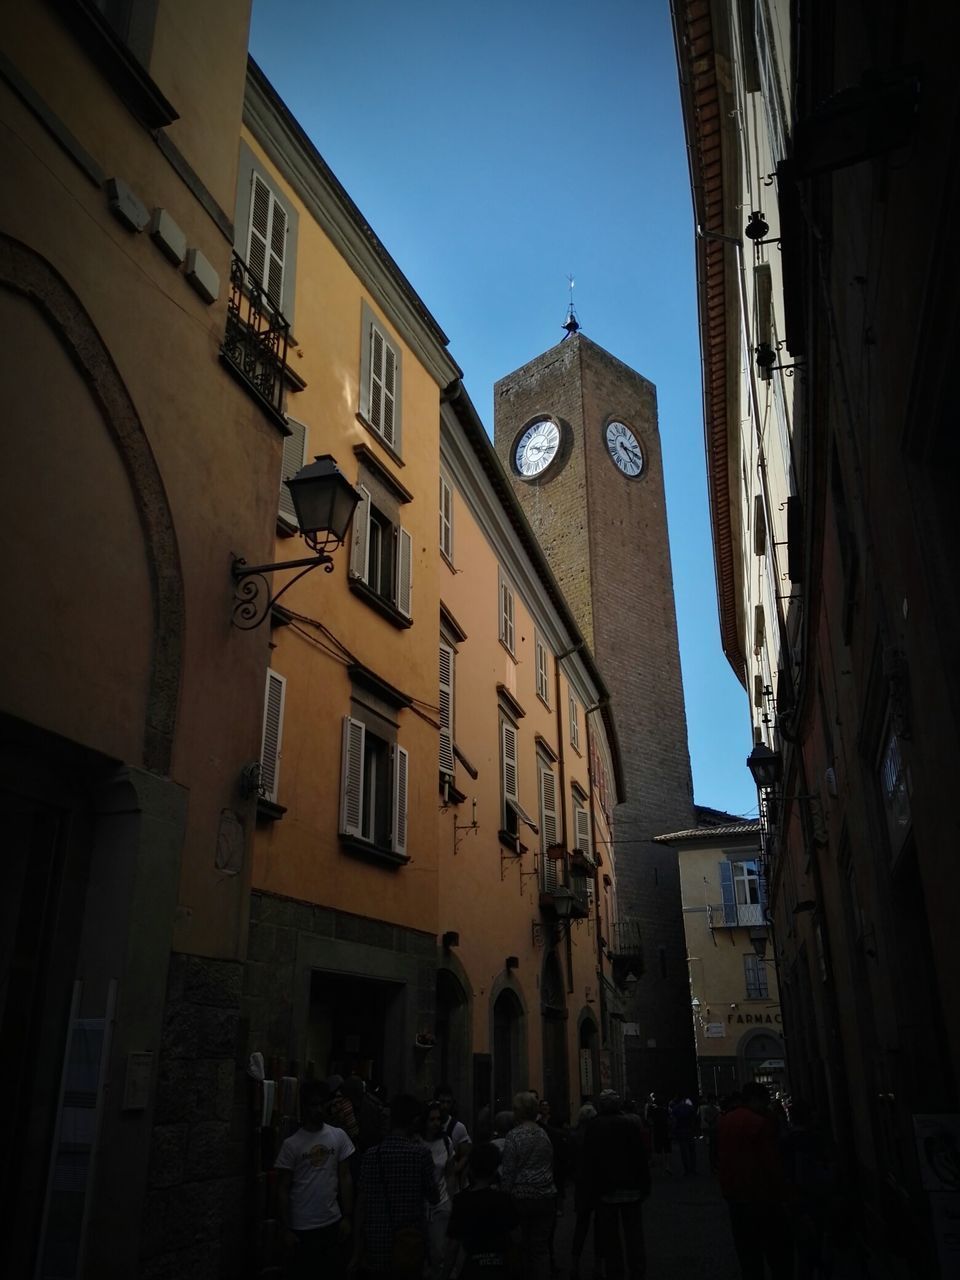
x,y
496,147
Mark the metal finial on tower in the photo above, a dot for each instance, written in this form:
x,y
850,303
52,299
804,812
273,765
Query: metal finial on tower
x,y
571,324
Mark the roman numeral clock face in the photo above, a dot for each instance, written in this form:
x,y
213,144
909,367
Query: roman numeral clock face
x,y
537,448
624,449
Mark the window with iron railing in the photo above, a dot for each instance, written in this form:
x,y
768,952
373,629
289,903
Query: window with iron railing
x,y
255,339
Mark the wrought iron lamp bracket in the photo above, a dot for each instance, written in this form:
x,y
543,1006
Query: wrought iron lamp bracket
x,y
252,599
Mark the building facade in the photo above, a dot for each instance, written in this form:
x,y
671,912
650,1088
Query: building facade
x,y
820,139
577,432
128,705
734,993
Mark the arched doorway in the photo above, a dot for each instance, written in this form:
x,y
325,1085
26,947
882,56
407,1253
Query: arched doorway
x,y
453,1036
761,1059
553,1009
507,1041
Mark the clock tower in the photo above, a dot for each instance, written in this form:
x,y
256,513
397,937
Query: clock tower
x,y
576,430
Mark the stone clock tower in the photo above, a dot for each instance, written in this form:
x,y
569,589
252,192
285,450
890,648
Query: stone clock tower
x,y
577,432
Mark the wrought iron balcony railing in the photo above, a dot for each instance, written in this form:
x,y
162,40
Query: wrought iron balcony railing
x,y
736,915
256,337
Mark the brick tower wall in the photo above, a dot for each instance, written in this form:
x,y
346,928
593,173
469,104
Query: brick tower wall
x,y
607,541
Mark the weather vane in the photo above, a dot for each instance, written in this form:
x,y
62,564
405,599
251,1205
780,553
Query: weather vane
x,y
571,324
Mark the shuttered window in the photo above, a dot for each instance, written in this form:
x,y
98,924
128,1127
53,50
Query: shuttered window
x,y
446,709
401,762
543,683
294,453
727,894
574,708
351,788
267,239
360,528
552,867
507,633
404,578
272,735
755,978
508,767
382,399
581,822
446,519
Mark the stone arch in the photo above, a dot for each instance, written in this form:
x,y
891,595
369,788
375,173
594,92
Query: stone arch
x,y
25,272
758,1048
508,1041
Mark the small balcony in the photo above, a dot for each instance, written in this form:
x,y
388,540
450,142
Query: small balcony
x,y
255,340
625,940
736,915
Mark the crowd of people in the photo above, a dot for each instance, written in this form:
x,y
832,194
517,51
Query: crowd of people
x,y
405,1192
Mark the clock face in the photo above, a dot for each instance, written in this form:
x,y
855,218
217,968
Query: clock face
x,y
537,447
623,449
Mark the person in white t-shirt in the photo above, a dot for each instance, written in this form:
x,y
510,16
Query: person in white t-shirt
x,y
438,1215
456,1131
315,1189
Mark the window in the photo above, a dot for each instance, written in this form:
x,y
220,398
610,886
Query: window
x,y
446,709
380,381
266,231
373,794
743,890
294,454
755,977
552,868
574,708
581,832
543,682
272,736
895,791
381,557
507,629
133,21
446,519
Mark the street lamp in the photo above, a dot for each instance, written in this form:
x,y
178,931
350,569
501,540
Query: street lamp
x,y
765,766
562,901
324,501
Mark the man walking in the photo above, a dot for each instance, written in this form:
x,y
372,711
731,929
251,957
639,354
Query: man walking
x,y
617,1168
752,1183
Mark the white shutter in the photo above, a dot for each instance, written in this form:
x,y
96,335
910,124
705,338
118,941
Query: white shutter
x,y
267,239
446,709
400,770
446,519
548,828
376,378
294,453
389,393
351,777
272,735
506,615
581,818
542,689
508,743
361,536
404,571
574,723
259,232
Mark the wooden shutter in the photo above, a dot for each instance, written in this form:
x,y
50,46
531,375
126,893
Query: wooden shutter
x,y
267,240
548,828
506,615
542,687
404,571
728,893
383,386
294,452
446,709
581,822
574,723
272,735
351,777
401,762
508,762
446,519
586,1071
361,536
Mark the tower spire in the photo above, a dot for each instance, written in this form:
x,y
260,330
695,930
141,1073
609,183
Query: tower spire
x,y
571,324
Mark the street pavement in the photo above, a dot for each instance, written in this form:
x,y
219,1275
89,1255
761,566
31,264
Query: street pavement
x,y
685,1225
